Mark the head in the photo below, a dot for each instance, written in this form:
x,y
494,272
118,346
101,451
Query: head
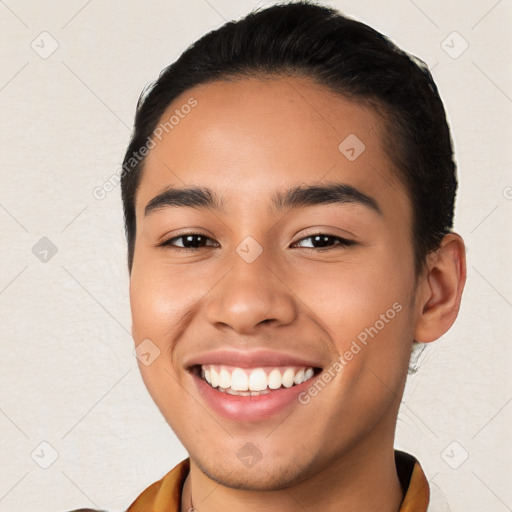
x,y
342,55
294,124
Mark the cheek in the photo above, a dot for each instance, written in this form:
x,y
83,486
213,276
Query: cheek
x,y
352,296
364,305
156,309
369,320
380,321
159,297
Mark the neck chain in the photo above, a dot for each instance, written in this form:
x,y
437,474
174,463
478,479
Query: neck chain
x,y
191,508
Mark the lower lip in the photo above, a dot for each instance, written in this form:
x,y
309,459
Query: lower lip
x,y
250,408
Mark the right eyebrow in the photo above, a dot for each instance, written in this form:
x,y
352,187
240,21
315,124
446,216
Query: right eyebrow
x,y
193,197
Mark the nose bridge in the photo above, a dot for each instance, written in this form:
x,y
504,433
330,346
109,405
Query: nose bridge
x,y
250,292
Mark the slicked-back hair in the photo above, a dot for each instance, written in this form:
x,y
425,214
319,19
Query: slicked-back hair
x,y
347,57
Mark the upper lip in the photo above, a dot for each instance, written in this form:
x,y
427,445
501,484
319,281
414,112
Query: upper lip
x,y
250,359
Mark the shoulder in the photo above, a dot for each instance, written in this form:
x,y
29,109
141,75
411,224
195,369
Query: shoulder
x,y
166,490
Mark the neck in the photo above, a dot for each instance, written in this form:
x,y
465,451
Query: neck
x,y
360,480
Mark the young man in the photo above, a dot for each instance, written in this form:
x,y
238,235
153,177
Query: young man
x,y
288,195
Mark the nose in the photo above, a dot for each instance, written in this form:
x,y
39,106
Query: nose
x,y
251,294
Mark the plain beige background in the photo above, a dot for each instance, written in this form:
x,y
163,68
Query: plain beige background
x,y
71,396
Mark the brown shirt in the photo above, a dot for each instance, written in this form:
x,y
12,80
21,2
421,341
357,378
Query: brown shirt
x,y
165,494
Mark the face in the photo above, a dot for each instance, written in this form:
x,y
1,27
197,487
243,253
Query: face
x,y
296,305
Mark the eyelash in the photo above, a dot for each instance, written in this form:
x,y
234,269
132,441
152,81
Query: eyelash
x,y
343,242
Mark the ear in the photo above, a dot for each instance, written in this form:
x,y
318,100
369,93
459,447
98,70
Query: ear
x,y
440,290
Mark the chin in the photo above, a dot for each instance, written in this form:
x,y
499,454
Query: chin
x,y
264,475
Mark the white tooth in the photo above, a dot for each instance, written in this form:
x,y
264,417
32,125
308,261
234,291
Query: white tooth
x,y
224,379
309,373
237,393
207,375
288,378
258,393
299,376
258,380
274,379
214,377
239,380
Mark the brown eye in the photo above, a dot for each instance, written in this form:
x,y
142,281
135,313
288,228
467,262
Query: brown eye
x,y
324,241
190,242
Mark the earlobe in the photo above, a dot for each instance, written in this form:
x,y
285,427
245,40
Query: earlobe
x,y
441,290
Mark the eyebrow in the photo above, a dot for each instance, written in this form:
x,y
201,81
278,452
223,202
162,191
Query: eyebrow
x,y
297,197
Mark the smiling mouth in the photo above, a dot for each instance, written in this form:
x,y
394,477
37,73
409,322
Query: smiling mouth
x,y
253,381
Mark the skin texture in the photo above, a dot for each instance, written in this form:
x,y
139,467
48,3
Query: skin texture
x,y
245,140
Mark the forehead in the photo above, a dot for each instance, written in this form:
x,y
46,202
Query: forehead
x,y
248,138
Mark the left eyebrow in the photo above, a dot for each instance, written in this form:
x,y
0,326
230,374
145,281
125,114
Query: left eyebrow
x,y
297,197
328,193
